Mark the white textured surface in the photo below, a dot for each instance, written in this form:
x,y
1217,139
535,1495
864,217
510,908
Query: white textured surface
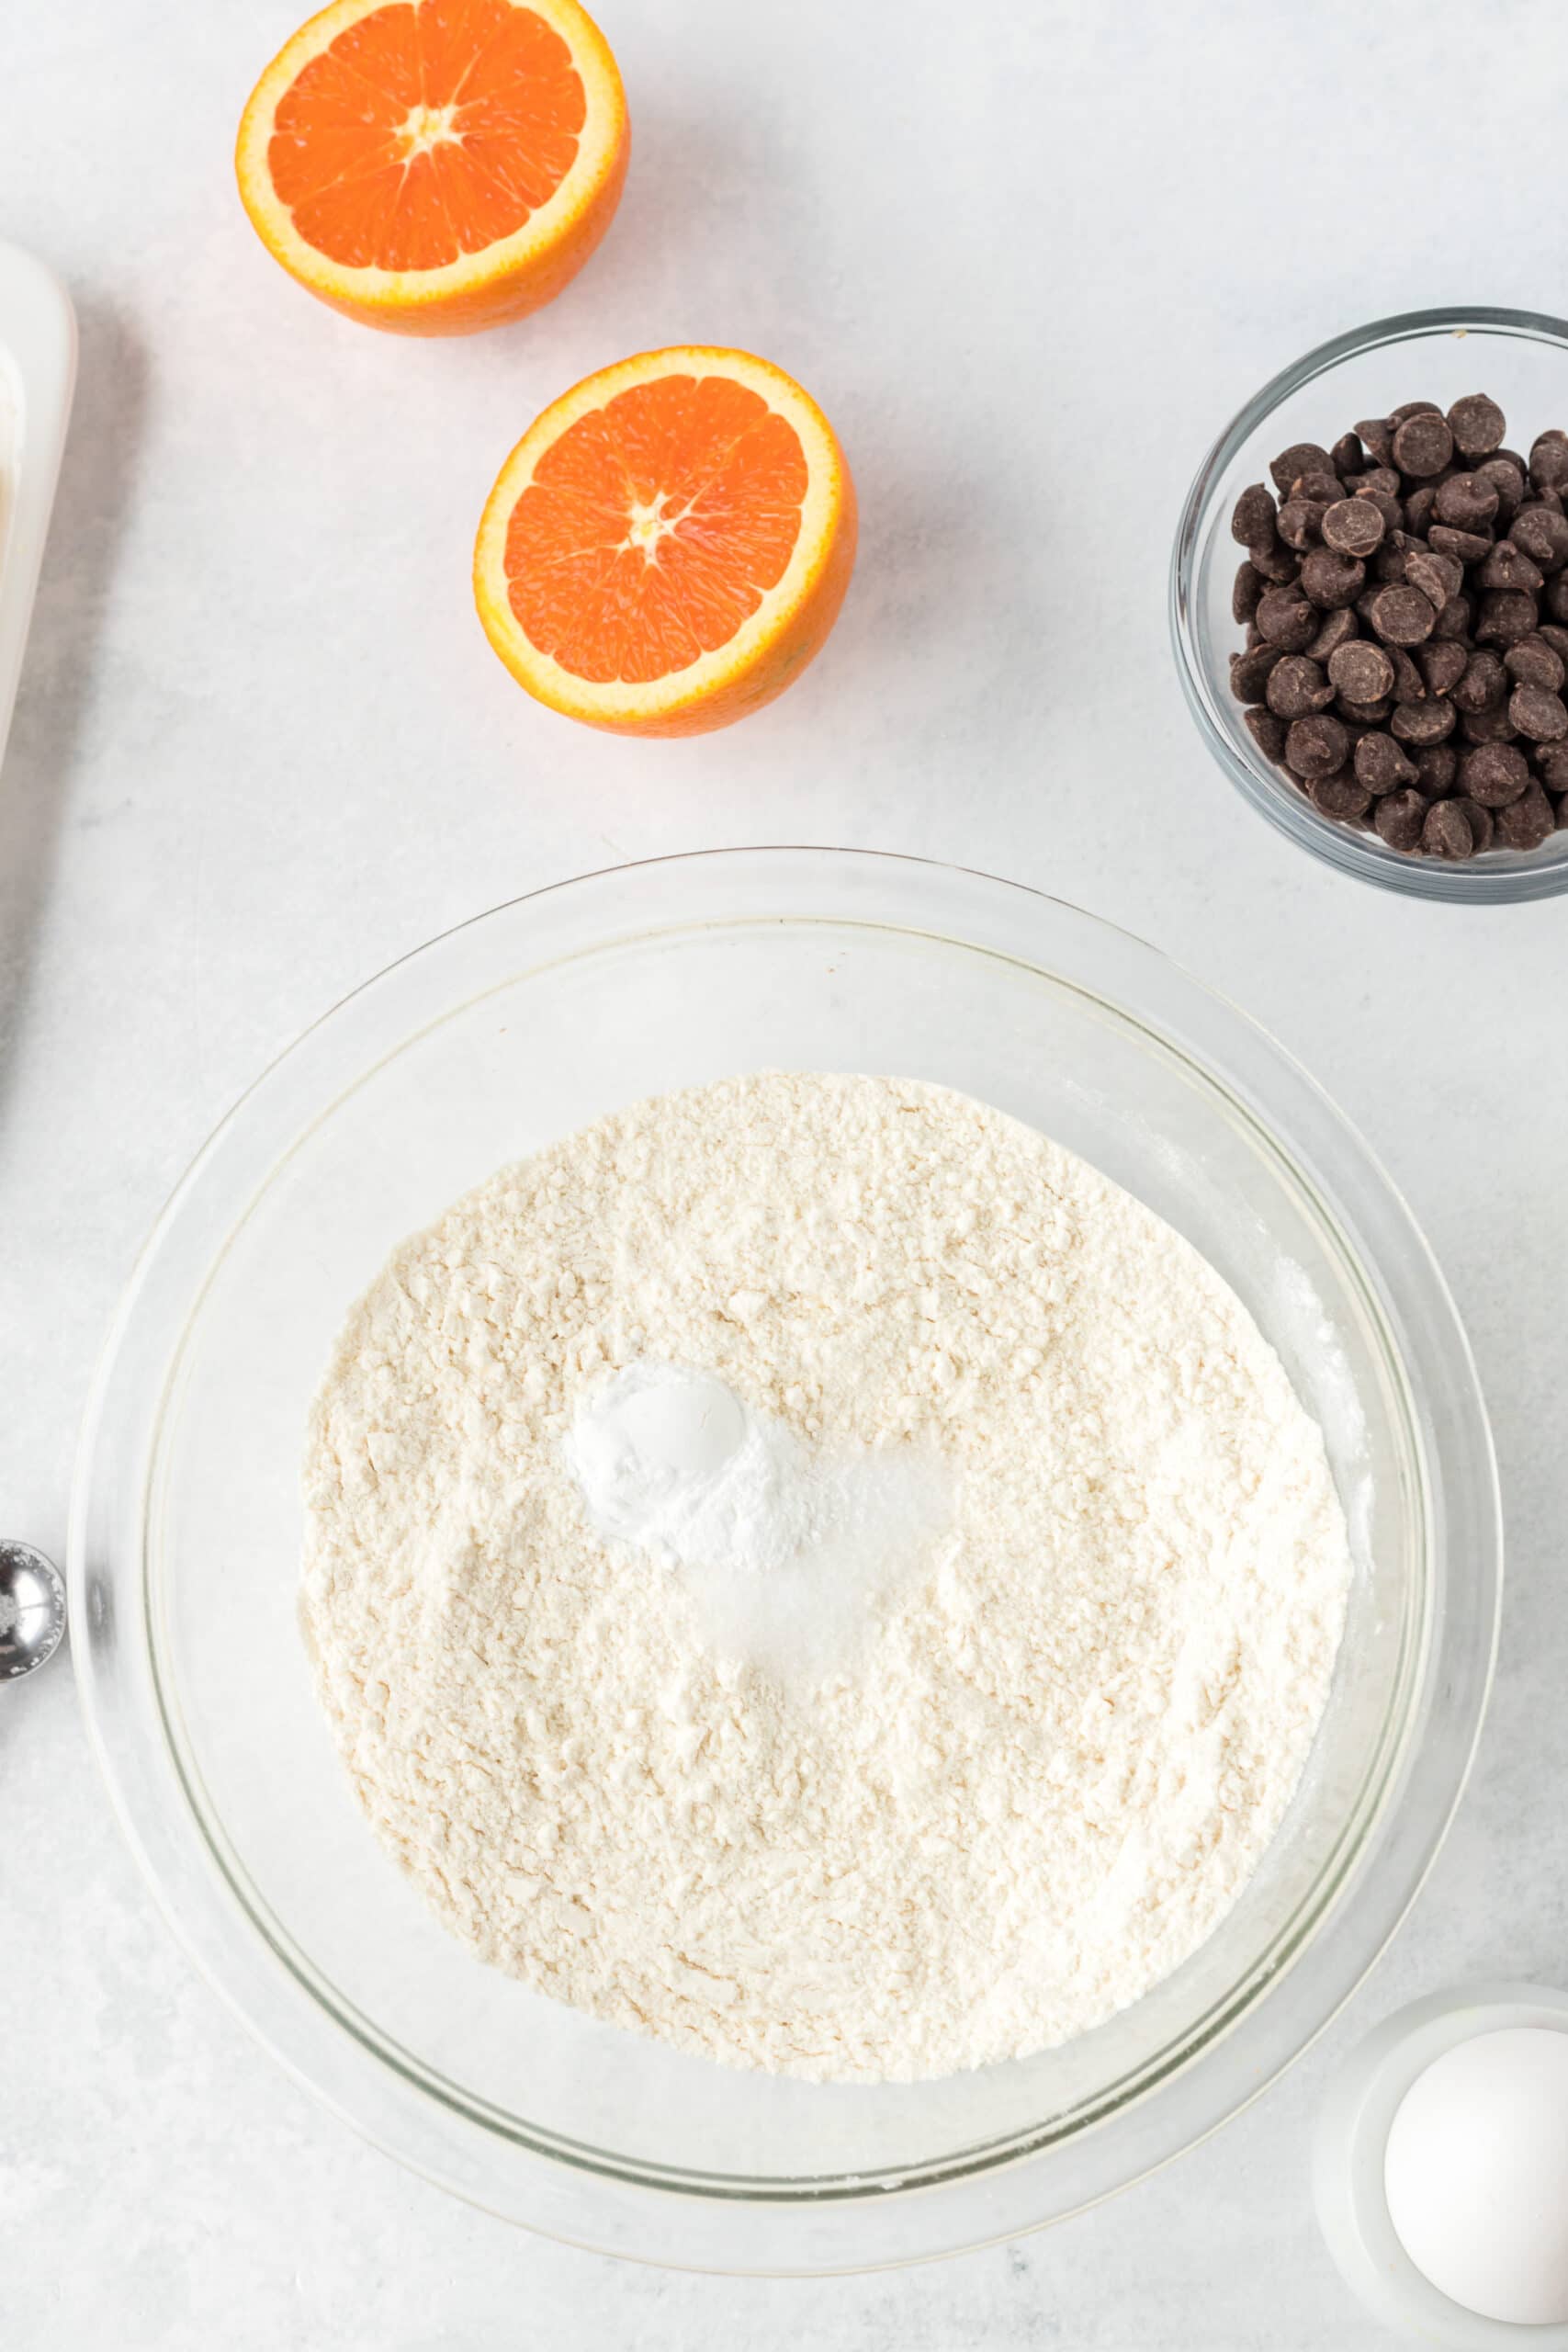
x,y
262,747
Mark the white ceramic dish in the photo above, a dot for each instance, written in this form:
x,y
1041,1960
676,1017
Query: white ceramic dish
x,y
38,373
1352,2139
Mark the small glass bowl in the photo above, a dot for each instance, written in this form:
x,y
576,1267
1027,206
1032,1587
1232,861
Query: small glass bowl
x,y
1521,359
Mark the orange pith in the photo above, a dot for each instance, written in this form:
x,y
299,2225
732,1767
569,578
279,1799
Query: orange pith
x,y
668,544
435,165
651,529
423,133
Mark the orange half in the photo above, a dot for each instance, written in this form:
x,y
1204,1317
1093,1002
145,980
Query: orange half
x,y
436,165
668,544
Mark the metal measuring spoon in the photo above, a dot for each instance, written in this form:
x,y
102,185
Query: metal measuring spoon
x,y
32,1609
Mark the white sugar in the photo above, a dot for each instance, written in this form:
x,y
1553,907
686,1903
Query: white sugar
x,y
787,1550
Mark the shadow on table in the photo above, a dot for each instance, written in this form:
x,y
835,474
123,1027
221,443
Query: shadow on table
x,y
95,483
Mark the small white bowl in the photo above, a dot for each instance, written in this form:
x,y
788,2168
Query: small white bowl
x,y
1352,2140
38,372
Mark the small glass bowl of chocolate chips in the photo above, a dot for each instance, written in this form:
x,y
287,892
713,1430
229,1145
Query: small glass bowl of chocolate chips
x,y
1369,604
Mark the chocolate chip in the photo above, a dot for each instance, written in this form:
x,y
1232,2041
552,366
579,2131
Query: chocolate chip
x,y
1331,580
1337,630
1526,823
1466,547
1381,764
1554,637
1465,501
1404,616
1297,686
1534,662
1323,487
1556,597
1362,671
1249,672
1437,764
1494,773
1479,820
1484,683
1422,445
1488,725
1300,457
1252,517
1248,588
1267,731
1477,425
1346,455
1438,577
1418,507
1422,722
1399,817
1376,436
1274,559
1444,831
1340,795
1389,562
1287,620
1548,461
1396,416
1316,746
1542,534
1381,503
1508,481
1455,618
1409,685
1443,664
1506,616
1552,761
1352,527
1550,499
1537,713
1508,566
1364,714
1298,522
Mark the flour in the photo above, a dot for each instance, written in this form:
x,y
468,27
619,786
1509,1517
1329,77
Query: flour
x,y
1068,1722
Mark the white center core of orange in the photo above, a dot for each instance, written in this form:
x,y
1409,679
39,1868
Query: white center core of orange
x,y
427,127
649,524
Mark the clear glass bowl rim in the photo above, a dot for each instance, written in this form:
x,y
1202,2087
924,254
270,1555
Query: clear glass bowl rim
x,y
1544,872
819,2227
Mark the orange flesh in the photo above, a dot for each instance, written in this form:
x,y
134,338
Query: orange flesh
x,y
654,527
429,129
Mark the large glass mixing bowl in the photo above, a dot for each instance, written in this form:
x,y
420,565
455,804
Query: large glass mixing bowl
x,y
511,1032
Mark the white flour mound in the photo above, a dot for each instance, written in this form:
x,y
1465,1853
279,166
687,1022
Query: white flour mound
x,y
1054,1752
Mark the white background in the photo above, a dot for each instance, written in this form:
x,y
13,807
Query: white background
x,y
1029,258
